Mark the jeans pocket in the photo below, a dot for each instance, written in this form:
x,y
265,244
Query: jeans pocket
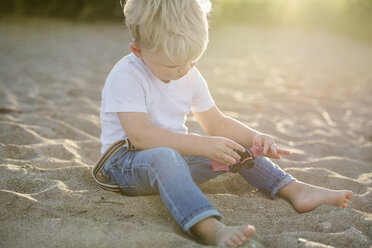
x,y
114,163
117,160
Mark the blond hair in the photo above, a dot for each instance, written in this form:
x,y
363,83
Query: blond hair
x,y
179,28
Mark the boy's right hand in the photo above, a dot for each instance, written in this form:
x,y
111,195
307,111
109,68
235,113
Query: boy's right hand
x,y
221,149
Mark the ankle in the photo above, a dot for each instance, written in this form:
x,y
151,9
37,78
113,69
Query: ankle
x,y
206,229
290,190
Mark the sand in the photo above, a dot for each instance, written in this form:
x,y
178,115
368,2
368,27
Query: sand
x,y
312,91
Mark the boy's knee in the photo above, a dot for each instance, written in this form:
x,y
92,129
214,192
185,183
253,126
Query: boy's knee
x,y
165,157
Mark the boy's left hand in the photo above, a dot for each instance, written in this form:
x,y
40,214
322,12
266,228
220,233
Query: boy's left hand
x,y
269,147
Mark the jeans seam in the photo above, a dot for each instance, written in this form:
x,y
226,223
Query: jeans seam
x,y
117,156
197,161
165,192
136,186
124,170
263,171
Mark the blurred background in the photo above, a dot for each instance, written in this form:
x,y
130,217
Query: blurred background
x,y
299,70
349,17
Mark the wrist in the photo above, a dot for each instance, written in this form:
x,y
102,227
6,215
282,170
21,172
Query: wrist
x,y
255,135
203,145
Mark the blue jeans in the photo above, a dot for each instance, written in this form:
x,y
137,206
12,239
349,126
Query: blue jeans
x,y
164,171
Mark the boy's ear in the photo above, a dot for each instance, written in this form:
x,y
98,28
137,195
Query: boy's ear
x,y
136,50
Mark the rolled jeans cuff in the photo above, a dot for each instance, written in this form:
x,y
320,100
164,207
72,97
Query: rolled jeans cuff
x,y
286,180
201,216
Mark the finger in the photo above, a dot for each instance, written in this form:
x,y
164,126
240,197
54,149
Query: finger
x,y
283,152
236,146
257,140
273,150
270,155
273,156
266,147
234,154
228,160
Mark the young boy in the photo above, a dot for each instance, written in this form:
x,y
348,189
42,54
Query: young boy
x,y
147,97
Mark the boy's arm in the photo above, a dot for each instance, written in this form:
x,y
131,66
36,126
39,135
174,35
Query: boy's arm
x,y
143,135
215,123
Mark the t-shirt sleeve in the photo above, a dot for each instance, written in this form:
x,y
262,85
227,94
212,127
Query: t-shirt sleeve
x,y
123,92
201,97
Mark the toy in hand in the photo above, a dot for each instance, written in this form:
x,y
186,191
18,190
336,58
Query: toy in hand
x,y
246,159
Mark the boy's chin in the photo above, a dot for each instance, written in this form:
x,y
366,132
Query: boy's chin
x,y
171,79
168,80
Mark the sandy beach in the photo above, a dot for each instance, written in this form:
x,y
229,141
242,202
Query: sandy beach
x,y
311,91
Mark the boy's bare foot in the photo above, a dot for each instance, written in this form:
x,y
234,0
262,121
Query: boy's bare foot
x,y
213,232
305,197
233,236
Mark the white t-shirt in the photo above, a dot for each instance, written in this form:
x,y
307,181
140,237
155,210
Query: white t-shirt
x,y
131,87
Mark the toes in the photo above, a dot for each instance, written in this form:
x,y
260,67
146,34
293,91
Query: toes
x,y
230,243
241,237
235,239
248,231
349,195
236,236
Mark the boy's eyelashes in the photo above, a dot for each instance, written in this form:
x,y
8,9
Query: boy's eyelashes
x,y
176,66
171,66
